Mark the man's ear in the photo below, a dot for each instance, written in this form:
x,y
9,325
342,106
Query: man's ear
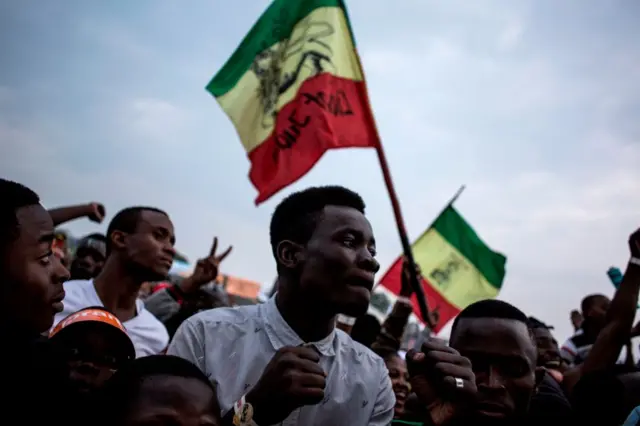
x,y
289,254
117,239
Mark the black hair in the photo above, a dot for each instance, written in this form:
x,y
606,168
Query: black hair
x,y
589,301
491,308
14,196
127,220
296,217
534,323
121,391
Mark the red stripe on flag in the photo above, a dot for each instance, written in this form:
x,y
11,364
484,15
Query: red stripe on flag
x,y
328,112
392,282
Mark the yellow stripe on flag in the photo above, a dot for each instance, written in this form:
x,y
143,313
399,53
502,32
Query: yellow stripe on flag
x,y
449,272
323,33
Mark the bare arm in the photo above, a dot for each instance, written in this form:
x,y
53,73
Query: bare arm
x,y
620,315
93,211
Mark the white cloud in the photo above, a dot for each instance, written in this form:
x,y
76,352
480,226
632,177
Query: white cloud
x,y
115,38
153,120
510,37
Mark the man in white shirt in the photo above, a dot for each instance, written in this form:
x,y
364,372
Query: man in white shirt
x,y
284,361
139,248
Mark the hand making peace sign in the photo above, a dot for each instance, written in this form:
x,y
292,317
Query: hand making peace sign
x,y
206,269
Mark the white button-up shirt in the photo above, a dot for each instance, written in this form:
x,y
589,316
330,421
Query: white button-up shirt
x,y
232,346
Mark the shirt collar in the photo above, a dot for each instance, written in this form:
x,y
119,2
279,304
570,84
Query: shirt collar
x,y
281,334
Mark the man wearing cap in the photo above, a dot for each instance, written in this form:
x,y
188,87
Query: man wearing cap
x,y
95,344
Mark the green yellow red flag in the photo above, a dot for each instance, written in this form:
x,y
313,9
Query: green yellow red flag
x,y
458,268
294,89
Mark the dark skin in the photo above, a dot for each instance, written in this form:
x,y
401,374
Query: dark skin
x,y
143,255
93,356
432,373
548,351
595,317
32,290
495,358
95,212
576,319
173,401
332,273
503,358
399,376
87,264
206,269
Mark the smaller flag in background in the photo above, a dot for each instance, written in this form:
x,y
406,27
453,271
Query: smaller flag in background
x,y
458,268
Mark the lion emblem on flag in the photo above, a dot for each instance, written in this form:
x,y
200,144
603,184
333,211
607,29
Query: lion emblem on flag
x,y
305,54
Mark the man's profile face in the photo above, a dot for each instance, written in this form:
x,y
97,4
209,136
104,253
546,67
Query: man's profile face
x,y
339,266
32,283
503,358
149,249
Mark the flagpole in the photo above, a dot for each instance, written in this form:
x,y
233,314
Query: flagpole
x,y
406,246
449,204
392,195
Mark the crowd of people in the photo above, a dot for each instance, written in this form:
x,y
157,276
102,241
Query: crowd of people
x,y
104,338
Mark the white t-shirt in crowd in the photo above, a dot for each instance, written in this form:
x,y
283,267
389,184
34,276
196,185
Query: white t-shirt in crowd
x,y
148,334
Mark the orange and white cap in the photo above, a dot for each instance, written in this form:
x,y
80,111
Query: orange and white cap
x,y
101,318
90,314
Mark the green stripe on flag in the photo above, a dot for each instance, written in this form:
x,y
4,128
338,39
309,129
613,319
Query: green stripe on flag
x,y
460,235
275,25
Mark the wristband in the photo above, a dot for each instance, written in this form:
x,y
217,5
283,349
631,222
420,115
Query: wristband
x,y
243,413
634,260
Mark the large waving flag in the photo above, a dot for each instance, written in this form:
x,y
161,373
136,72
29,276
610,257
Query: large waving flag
x,y
458,268
294,88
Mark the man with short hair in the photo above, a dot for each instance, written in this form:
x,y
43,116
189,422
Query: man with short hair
x,y
89,257
488,375
139,248
594,310
31,277
31,293
547,346
284,361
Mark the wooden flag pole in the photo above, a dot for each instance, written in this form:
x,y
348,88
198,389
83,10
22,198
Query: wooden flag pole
x,y
406,246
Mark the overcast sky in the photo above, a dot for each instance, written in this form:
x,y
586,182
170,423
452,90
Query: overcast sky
x,y
533,104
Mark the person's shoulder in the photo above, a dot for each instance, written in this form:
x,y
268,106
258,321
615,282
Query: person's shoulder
x,y
148,334
550,402
149,322
224,316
